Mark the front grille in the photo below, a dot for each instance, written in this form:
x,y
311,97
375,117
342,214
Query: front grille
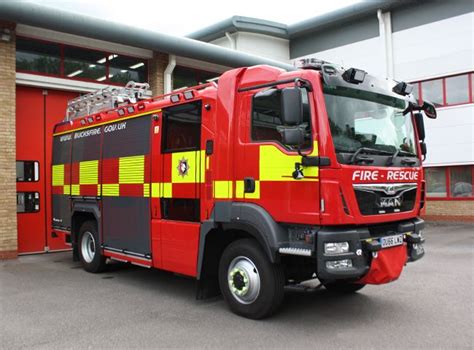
x,y
385,198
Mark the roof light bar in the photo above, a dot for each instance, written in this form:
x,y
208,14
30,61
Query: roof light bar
x,y
175,98
354,75
188,95
403,88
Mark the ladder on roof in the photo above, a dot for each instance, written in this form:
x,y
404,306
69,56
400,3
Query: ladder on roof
x,y
107,98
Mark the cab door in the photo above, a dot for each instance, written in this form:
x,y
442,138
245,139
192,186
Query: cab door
x,y
264,166
180,186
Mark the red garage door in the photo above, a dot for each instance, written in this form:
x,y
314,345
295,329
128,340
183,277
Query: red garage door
x,y
37,110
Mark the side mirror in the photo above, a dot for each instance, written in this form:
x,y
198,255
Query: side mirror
x,y
429,109
420,125
424,151
291,106
292,136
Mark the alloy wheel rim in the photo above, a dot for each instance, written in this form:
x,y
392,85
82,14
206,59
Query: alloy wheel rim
x,y
244,280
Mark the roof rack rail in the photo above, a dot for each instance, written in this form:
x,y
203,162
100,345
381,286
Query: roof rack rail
x,y
107,98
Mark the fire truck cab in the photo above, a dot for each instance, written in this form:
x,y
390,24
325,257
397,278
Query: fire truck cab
x,y
264,180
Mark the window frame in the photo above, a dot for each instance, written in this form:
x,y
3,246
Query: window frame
x,y
275,142
61,62
470,77
164,136
449,196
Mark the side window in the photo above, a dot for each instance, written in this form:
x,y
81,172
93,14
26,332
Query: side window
x,y
182,128
266,116
27,171
27,202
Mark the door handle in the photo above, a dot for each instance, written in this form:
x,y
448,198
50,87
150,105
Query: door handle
x,y
249,185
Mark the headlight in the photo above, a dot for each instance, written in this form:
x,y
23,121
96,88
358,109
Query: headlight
x,y
339,264
336,248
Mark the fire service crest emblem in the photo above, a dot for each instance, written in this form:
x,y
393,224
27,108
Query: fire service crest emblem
x,y
183,167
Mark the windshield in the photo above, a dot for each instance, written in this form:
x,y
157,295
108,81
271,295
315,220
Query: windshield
x,y
364,119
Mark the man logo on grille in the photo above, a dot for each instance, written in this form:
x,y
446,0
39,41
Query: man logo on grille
x,y
183,167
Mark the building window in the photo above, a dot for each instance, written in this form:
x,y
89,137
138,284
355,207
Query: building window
x,y
453,182
433,91
187,77
447,91
27,202
457,89
70,62
38,56
83,64
460,179
436,182
27,171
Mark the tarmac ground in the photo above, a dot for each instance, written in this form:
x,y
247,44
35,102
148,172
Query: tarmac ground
x,y
48,301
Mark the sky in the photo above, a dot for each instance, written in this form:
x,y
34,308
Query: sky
x,y
181,17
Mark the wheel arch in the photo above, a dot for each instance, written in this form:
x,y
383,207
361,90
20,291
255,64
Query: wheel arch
x,y
230,221
82,212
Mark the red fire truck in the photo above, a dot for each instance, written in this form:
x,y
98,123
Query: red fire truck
x,y
262,181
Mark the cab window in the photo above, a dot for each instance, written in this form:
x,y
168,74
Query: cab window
x,y
266,117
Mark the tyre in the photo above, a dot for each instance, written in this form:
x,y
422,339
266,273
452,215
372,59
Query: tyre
x,y
251,285
343,287
89,248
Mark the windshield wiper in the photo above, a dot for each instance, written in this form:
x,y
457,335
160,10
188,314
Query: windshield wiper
x,y
399,152
358,157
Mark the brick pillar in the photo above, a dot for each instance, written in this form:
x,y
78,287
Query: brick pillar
x,y
156,68
8,227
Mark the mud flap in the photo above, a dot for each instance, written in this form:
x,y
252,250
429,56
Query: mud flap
x,y
386,266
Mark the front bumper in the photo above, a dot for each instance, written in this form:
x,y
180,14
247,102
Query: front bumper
x,y
364,245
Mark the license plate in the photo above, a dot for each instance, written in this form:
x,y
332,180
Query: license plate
x,y
391,241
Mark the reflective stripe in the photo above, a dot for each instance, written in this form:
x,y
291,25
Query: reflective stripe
x,y
155,190
167,190
107,122
274,165
239,190
89,172
159,190
111,190
75,190
67,189
58,175
132,170
146,190
222,189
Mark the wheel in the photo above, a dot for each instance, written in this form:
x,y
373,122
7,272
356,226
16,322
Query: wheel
x,y
89,248
251,285
343,287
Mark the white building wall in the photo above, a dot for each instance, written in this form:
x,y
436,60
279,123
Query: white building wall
x,y
450,137
264,45
258,44
366,54
435,49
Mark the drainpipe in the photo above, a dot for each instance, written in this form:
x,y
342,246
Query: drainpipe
x,y
167,74
385,32
231,40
